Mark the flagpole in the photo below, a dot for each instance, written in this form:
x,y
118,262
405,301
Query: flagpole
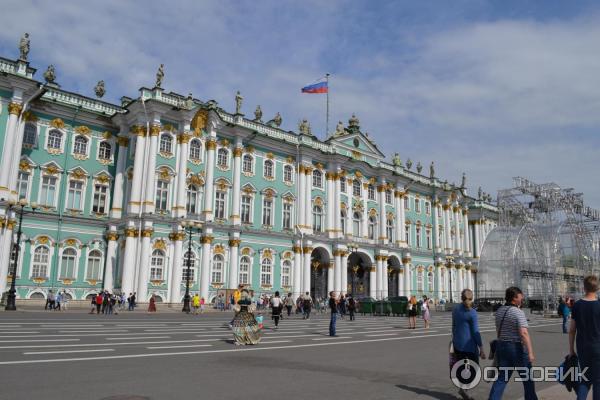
x,y
327,116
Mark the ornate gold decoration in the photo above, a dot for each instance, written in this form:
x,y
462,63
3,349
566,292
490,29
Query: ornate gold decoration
x,y
112,236
24,166
267,253
92,282
147,232
155,129
67,281
270,156
130,174
358,174
381,188
234,242
165,173
219,249
308,170
318,201
43,240
250,149
57,123
308,249
123,141
137,130
289,159
103,179
71,242
225,142
39,280
168,127
343,206
406,260
78,173
246,251
195,180
319,165
160,244
15,108
199,121
287,255
372,212
211,144
83,130
156,282
184,138
372,268
28,116
222,184
237,152
297,249
301,168
330,175
10,225
446,207
206,239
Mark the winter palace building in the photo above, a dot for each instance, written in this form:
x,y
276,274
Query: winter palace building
x,y
116,185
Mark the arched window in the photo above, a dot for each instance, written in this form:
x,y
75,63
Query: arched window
x,y
30,135
222,158
94,262
192,260
371,192
166,143
265,272
420,281
67,263
343,221
372,227
157,265
244,276
247,162
217,269
80,145
317,219
389,229
195,150
430,281
105,151
192,199
268,169
55,139
356,187
317,178
286,269
39,269
288,174
356,222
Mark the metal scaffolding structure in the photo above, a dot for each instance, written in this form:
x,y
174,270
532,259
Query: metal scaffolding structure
x,y
546,241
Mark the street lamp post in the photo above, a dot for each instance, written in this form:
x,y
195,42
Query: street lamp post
x,y
11,301
188,226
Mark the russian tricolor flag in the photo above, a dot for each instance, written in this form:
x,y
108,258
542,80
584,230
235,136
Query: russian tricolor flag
x,y
320,87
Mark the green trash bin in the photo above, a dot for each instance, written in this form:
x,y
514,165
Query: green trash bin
x,y
398,305
383,307
366,305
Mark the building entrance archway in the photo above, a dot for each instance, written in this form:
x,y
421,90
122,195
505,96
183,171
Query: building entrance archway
x,y
393,276
319,270
359,266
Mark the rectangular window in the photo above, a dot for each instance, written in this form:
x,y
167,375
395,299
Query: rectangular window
x,y
287,215
428,238
267,212
388,196
371,192
439,211
427,208
265,274
418,205
22,184
99,205
406,203
48,192
285,274
418,237
75,194
220,204
246,209
407,234
162,194
244,272
342,185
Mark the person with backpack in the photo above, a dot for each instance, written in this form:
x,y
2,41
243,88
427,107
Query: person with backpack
x,y
276,307
351,306
564,310
289,304
307,304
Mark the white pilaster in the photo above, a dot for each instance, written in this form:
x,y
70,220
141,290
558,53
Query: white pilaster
x,y
5,246
211,145
332,272
144,264
466,238
379,277
297,282
117,195
151,169
206,241
234,262
337,271
129,260
373,281
385,277
477,249
400,220
177,265
439,285
344,269
301,196
337,212
306,270
308,199
447,228
331,217
135,199
365,214
14,110
237,170
180,206
111,259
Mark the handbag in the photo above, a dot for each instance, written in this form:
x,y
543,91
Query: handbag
x,y
494,343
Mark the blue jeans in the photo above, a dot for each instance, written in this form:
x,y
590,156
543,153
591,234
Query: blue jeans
x,y
589,357
565,323
332,324
511,354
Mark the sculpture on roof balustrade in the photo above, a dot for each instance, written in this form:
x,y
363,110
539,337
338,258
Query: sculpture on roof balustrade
x,y
24,47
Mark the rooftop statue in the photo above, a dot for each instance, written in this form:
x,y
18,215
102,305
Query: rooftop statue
x,y
238,102
50,74
304,127
99,89
409,164
24,47
277,120
189,102
396,161
258,113
160,74
339,129
432,170
353,122
419,167
479,193
463,183
212,104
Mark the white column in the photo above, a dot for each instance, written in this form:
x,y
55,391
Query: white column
x,y
379,276
438,279
400,283
144,264
344,270
5,242
301,196
135,199
332,272
337,212
297,270
469,279
205,267
461,280
111,260
177,266
399,206
453,283
477,249
234,262
456,244
331,217
373,281
447,228
16,158
237,169
211,145
308,199
306,270
151,170
434,231
385,277
382,216
466,242
365,214
407,278
337,284
129,260
180,207
14,110
118,190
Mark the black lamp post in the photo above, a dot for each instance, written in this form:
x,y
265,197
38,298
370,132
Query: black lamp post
x,y
188,226
11,301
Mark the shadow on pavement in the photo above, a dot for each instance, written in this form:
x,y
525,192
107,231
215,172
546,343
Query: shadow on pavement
x,y
431,393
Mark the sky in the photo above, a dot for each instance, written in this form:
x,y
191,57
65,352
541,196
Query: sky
x,y
495,89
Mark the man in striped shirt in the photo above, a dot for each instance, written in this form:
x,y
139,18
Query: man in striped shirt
x,y
514,347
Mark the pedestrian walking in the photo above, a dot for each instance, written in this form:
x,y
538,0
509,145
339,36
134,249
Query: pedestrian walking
x,y
49,301
342,306
196,303
289,304
58,301
99,300
333,306
351,306
466,339
513,347
412,313
130,301
93,304
202,305
307,304
65,300
425,311
564,310
276,307
585,331
152,304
